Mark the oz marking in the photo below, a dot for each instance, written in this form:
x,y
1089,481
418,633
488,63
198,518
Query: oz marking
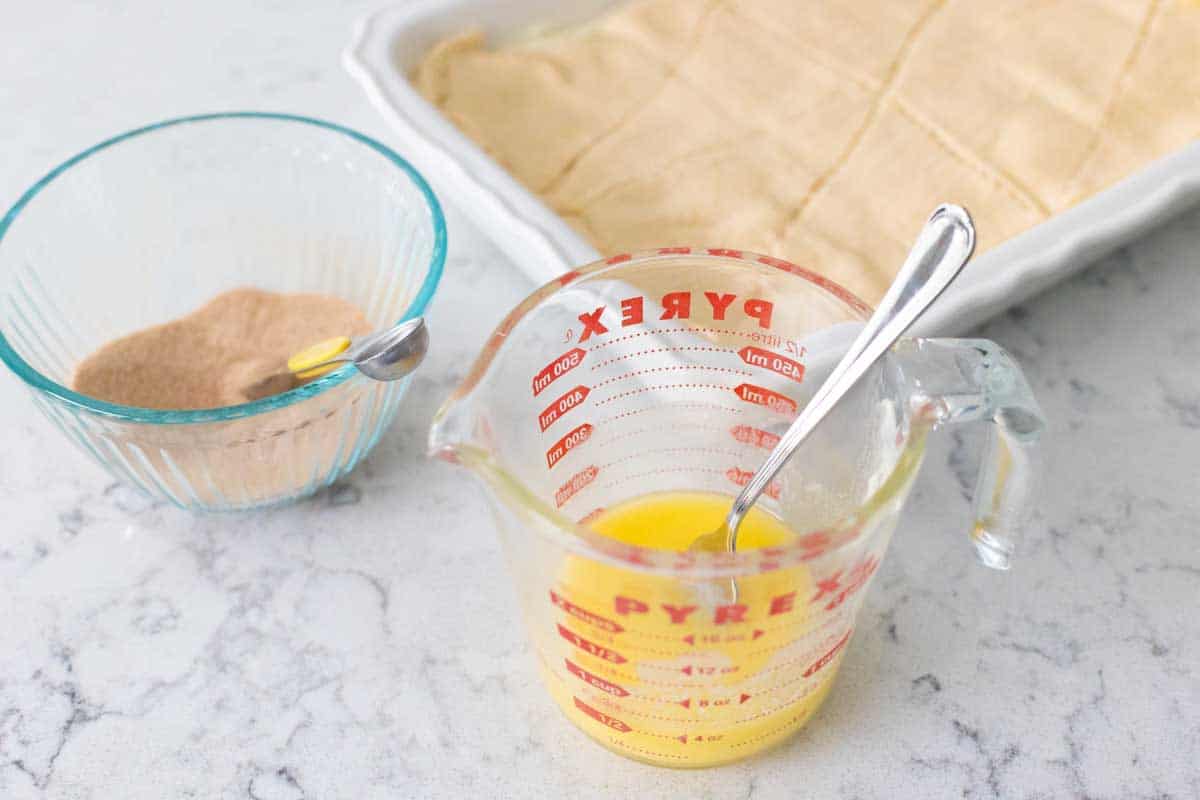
x,y
694,669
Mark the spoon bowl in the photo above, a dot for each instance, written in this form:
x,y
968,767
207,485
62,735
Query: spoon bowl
x,y
394,353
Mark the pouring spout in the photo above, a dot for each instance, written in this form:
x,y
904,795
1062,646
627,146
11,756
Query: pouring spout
x,y
452,431
471,431
469,428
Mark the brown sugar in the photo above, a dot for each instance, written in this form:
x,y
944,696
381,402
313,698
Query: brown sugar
x,y
215,356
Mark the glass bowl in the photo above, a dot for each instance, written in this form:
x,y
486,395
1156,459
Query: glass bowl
x,y
147,226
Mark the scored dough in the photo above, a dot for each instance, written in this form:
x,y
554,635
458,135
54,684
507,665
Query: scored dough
x,y
825,133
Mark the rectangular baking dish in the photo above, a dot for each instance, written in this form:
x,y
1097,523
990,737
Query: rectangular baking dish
x,y
388,44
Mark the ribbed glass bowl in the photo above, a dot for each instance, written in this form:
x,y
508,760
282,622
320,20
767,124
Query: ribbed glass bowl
x,y
147,226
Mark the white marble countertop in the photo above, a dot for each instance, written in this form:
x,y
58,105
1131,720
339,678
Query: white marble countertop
x,y
364,644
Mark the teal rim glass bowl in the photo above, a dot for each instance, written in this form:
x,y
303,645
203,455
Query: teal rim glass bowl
x,y
149,225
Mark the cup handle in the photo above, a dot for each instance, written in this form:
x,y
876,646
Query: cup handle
x,y
958,381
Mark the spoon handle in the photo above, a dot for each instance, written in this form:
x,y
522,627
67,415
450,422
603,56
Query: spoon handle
x,y
940,252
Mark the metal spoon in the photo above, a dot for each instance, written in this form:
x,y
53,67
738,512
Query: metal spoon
x,y
386,355
391,354
942,249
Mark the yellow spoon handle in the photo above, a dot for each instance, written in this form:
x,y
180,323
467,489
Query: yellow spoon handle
x,y
311,362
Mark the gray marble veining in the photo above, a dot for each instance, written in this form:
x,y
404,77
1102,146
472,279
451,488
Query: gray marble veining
x,y
364,644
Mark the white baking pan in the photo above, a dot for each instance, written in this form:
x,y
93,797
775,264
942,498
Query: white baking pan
x,y
388,44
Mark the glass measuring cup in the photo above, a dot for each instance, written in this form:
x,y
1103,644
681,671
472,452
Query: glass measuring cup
x,y
677,370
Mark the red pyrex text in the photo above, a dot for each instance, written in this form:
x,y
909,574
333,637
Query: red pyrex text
x,y
674,305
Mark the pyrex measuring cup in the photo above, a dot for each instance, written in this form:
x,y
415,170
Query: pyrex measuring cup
x,y
676,370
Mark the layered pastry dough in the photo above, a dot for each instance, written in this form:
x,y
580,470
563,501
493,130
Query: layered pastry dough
x,y
824,133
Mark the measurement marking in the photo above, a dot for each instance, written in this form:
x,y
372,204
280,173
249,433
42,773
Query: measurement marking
x,y
681,348
611,628
601,717
687,702
776,650
719,639
699,426
761,396
626,337
756,437
741,477
635,412
784,665
704,669
567,443
801,695
557,368
644,389
622,745
568,591
629,712
571,400
642,454
620,708
579,612
541,656
648,370
653,472
789,724
590,517
595,681
575,484
638,648
824,660
629,647
803,677
757,337
598,650
772,362
608,671
691,669
809,651
789,626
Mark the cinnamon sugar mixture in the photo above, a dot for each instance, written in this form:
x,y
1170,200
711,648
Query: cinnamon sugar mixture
x,y
213,356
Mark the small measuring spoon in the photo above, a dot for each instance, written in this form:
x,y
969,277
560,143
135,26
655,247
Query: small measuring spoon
x,y
386,355
942,249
